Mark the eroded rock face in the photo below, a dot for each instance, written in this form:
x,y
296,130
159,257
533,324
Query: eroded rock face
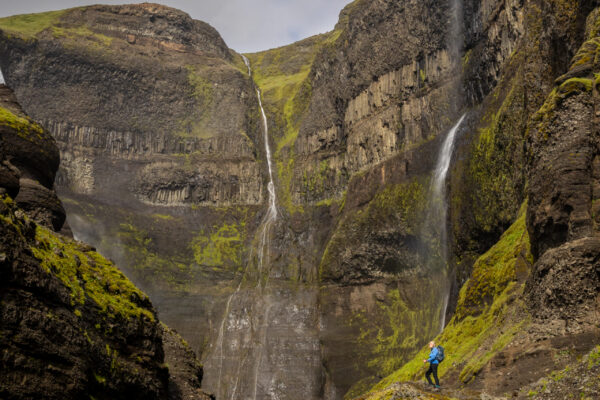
x,y
150,83
54,347
71,324
29,161
564,171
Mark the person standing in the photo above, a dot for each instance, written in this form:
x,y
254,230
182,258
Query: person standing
x,y
433,365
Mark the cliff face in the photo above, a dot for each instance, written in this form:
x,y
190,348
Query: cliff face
x,y
359,272
158,129
72,325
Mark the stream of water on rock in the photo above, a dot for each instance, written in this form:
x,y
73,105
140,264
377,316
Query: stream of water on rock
x,y
439,205
244,322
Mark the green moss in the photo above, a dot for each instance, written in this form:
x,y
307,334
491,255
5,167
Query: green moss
x,y
100,379
594,358
390,333
400,205
29,25
202,91
74,33
222,247
25,127
489,313
164,217
495,184
89,276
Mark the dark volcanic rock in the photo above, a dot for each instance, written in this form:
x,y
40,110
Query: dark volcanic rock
x,y
61,339
564,188
566,280
72,325
185,371
30,160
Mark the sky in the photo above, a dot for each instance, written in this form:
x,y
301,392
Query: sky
x,y
246,25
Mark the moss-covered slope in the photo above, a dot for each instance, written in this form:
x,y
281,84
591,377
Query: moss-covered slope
x,y
526,307
71,322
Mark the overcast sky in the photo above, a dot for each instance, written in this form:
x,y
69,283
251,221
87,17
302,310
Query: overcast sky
x,y
246,25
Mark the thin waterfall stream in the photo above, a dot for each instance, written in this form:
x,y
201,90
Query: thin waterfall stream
x,y
439,206
262,257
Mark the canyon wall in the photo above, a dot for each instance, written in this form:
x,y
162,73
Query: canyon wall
x,y
72,325
163,170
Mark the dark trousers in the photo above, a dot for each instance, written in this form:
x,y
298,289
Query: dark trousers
x,y
432,370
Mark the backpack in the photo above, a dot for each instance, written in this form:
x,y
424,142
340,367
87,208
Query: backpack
x,y
440,354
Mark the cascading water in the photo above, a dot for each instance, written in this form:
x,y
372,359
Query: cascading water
x,y
271,215
439,206
435,226
233,322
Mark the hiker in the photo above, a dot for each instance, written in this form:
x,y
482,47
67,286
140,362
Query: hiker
x,y
433,361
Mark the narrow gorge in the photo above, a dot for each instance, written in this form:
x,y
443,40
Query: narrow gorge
x,y
302,221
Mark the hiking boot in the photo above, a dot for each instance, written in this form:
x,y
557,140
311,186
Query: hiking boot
x,y
438,387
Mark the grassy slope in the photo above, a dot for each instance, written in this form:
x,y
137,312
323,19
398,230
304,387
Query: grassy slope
x,y
489,311
27,26
88,275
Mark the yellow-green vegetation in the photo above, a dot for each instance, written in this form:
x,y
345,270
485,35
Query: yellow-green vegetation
x,y
221,248
588,54
402,392
543,119
390,332
29,25
489,312
74,33
143,259
494,177
282,74
164,217
89,277
594,358
25,127
100,379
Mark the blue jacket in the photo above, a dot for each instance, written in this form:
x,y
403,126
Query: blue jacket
x,y
433,356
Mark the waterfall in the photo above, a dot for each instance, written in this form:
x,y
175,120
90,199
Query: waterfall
x,y
271,215
229,319
438,205
435,226
1,78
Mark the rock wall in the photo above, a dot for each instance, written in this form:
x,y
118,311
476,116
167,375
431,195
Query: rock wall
x,y
72,325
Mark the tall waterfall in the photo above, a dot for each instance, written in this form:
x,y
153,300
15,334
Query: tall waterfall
x,y
271,215
438,204
239,363
436,220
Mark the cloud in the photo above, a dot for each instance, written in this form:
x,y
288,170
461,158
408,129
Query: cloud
x,y
246,25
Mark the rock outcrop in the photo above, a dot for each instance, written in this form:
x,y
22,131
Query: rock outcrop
x,y
29,162
564,189
71,324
